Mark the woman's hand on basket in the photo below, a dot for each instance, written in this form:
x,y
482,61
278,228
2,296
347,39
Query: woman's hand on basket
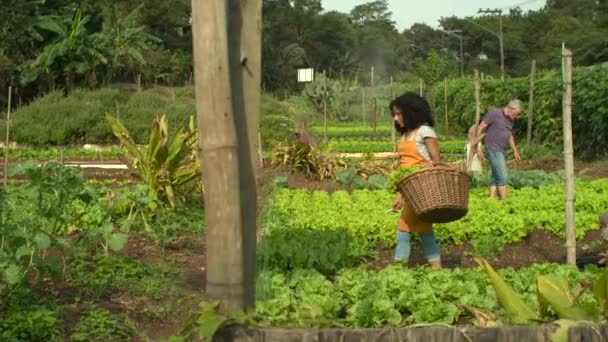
x,y
397,203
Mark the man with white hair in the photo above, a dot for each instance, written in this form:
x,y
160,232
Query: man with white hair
x,y
498,124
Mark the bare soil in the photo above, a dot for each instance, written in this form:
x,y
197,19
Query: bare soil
x,y
538,247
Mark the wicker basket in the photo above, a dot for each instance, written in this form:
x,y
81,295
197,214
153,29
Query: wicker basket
x,y
437,195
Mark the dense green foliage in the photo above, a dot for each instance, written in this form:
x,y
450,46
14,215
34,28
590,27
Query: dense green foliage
x,y
80,117
589,112
49,45
397,296
366,213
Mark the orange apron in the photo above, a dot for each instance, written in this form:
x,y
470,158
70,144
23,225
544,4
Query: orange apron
x,y
409,156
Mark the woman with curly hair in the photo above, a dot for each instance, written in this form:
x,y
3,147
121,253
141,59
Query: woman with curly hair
x,y
418,146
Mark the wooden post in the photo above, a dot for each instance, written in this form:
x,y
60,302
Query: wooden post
x,y
445,101
374,114
139,83
227,64
393,135
260,150
363,103
8,125
324,107
421,84
531,101
476,138
569,160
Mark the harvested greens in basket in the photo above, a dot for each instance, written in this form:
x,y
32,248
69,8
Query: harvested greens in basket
x,y
395,177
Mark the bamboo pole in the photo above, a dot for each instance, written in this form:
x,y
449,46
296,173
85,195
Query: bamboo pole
x,y
445,101
569,160
324,107
393,135
374,109
260,150
227,63
531,101
476,136
8,125
363,104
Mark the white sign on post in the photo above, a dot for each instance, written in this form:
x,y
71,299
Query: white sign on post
x,y
306,75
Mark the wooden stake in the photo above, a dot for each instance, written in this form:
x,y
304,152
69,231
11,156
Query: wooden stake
x,y
260,150
531,105
476,136
8,125
421,84
324,107
374,114
445,101
227,63
569,161
393,135
363,104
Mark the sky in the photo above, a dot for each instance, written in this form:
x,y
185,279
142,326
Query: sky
x,y
408,12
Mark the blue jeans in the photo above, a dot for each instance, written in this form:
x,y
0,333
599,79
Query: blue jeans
x,y
498,166
430,246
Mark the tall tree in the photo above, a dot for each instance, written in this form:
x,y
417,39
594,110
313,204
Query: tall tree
x,y
377,38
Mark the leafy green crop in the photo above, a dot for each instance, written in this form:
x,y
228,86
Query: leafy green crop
x,y
398,296
395,177
101,325
325,251
365,213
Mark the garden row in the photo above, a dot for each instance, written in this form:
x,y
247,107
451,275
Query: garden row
x,y
398,296
364,214
362,146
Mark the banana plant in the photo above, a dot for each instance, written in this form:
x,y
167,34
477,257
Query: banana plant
x,y
168,163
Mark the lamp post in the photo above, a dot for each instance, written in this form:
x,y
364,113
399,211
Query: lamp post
x,y
459,36
498,35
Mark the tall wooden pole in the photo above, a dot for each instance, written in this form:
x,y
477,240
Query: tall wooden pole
x,y
445,101
8,124
324,107
476,137
569,160
363,103
374,109
393,136
227,67
531,103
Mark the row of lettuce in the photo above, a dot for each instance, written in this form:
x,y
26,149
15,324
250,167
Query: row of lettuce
x,y
397,296
312,261
364,213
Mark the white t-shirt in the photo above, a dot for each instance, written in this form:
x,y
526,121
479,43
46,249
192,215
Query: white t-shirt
x,y
424,131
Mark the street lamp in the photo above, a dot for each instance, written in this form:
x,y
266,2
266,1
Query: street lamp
x,y
500,40
459,36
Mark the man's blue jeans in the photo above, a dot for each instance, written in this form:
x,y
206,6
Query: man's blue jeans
x,y
498,166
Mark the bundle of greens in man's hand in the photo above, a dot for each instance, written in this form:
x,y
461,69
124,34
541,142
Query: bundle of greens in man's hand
x,y
395,177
